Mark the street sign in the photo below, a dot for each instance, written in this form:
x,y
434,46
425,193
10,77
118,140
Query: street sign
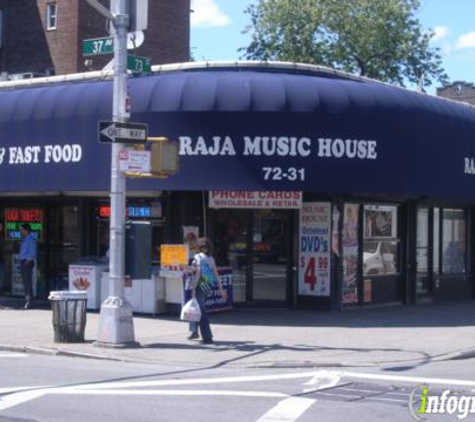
x,y
137,64
123,133
97,46
134,161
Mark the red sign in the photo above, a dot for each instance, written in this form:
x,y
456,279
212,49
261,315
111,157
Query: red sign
x,y
15,217
104,211
24,215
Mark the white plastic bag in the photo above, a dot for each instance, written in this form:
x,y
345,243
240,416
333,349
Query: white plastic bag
x,y
191,311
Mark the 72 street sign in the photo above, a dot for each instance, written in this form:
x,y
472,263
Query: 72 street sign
x,y
123,133
97,46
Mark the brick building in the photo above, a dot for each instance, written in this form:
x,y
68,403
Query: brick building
x,y
458,91
44,37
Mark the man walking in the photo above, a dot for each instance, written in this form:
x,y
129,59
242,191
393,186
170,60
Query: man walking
x,y
28,253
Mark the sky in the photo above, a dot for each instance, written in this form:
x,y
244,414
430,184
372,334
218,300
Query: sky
x,y
217,32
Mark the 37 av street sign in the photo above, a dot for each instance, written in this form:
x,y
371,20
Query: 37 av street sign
x,y
97,46
123,133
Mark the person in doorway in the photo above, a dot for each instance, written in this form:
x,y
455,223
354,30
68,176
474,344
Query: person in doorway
x,y
2,259
205,275
28,254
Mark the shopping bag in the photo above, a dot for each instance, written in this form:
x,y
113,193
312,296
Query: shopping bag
x,y
191,311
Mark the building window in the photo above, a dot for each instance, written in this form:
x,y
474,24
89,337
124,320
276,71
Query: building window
x,y
51,16
453,241
381,243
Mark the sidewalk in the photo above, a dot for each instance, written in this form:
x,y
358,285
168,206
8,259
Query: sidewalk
x,y
270,338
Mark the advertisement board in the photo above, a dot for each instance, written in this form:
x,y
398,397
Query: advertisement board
x,y
380,222
15,217
250,199
214,301
314,251
87,278
172,255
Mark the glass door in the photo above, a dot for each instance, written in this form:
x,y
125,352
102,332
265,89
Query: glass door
x,y
270,254
62,244
423,262
231,248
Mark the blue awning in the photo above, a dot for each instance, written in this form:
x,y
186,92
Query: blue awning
x,y
246,129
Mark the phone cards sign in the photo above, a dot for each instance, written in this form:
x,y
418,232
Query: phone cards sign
x,y
314,255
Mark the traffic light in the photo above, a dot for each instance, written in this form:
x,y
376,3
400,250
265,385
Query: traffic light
x,y
165,159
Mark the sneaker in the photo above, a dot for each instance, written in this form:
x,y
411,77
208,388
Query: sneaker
x,y
207,341
193,336
28,304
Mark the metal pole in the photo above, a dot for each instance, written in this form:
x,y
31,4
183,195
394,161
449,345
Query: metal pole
x,y
116,328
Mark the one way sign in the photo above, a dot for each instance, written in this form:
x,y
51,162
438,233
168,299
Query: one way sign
x,y
123,133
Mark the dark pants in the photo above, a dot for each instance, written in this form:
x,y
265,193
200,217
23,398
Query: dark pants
x,y
205,328
27,277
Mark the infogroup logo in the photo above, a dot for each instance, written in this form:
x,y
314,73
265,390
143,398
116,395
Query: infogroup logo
x,y
422,403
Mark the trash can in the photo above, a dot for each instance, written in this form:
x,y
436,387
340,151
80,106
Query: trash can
x,y
69,315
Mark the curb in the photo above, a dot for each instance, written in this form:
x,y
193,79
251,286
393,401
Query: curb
x,y
461,355
45,351
57,352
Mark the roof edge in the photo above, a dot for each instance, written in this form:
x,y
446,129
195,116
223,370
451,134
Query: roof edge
x,y
108,74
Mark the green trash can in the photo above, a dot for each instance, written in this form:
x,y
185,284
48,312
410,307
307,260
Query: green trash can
x,y
69,315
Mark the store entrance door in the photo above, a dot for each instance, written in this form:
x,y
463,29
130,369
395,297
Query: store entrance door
x,y
62,244
257,245
270,263
424,274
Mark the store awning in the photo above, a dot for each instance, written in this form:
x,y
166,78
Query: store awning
x,y
245,128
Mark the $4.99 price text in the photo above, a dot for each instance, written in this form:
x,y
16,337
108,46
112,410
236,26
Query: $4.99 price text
x,y
312,266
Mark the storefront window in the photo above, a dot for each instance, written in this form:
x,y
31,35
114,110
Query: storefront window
x,y
436,250
270,255
422,244
350,254
453,241
231,248
381,244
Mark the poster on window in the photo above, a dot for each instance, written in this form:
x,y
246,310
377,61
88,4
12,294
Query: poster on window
x,y
314,253
214,301
349,240
380,222
190,238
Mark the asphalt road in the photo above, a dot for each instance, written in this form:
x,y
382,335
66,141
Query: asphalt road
x,y
52,388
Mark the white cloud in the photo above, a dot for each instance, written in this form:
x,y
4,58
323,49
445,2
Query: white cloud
x,y
440,32
446,49
465,41
206,13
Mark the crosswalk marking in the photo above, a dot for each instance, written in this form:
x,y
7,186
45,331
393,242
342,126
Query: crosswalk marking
x,y
237,393
16,399
11,355
10,390
202,381
287,410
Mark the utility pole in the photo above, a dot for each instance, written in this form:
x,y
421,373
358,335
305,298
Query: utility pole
x,y
116,326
